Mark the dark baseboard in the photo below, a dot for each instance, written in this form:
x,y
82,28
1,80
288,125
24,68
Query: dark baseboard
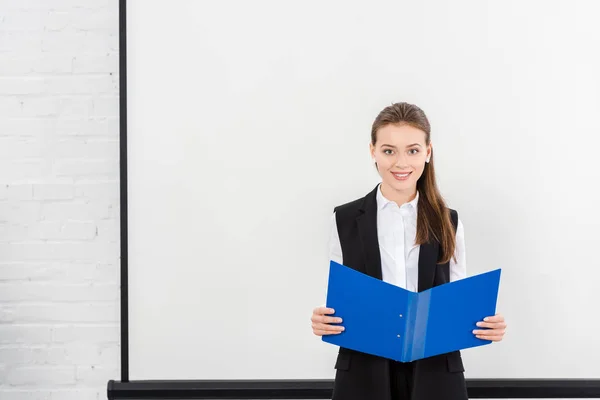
x,y
322,389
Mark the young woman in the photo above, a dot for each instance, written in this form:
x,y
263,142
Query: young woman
x,y
403,233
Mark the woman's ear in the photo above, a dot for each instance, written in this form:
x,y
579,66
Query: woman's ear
x,y
372,151
429,152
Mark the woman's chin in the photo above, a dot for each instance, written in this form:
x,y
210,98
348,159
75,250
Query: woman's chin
x,y
400,185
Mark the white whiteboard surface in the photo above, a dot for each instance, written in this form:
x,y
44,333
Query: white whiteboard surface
x,y
249,121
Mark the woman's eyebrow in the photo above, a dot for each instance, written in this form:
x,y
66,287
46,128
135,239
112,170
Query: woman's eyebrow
x,y
392,146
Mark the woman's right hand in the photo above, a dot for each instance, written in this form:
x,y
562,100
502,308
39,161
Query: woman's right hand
x,y
321,322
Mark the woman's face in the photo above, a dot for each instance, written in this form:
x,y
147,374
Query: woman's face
x,y
400,153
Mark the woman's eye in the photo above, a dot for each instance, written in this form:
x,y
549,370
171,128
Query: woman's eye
x,y
413,151
388,151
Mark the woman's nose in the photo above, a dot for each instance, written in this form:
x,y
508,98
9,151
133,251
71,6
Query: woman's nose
x,y
401,161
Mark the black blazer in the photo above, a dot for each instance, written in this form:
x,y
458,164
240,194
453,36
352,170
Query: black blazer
x,y
361,376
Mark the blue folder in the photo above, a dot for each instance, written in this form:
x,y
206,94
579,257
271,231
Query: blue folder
x,y
388,321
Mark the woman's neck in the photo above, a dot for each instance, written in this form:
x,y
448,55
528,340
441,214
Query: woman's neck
x,y
398,197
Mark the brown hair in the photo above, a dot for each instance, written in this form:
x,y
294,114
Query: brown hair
x,y
433,220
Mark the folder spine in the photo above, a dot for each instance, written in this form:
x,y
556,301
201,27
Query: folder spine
x,y
421,321
409,328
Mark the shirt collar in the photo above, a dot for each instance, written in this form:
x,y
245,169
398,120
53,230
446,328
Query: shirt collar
x,y
382,202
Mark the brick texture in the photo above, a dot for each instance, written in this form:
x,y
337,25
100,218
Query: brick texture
x,y
59,199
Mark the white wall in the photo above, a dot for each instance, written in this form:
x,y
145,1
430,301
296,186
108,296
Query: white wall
x,y
59,205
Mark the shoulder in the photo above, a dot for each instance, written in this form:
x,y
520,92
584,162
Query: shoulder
x,y
453,215
456,222
361,204
347,213
349,207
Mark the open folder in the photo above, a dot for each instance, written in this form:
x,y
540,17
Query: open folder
x,y
388,321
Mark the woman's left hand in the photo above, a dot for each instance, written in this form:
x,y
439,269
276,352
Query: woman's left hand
x,y
496,328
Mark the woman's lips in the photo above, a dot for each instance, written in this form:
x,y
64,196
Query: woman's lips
x,y
399,176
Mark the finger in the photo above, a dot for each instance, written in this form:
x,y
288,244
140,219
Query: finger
x,y
325,319
492,338
322,319
492,325
325,327
494,318
328,320
324,333
489,332
323,310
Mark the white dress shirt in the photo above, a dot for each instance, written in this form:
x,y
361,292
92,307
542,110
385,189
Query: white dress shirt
x,y
396,232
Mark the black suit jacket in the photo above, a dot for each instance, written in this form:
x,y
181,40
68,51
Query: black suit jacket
x,y
361,376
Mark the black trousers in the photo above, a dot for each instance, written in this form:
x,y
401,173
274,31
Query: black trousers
x,y
361,376
401,379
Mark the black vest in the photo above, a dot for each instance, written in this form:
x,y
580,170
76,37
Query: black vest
x,y
363,376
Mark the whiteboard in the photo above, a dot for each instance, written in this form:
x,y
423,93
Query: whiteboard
x,y
249,121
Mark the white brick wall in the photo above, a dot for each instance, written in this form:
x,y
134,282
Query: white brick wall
x,y
59,199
